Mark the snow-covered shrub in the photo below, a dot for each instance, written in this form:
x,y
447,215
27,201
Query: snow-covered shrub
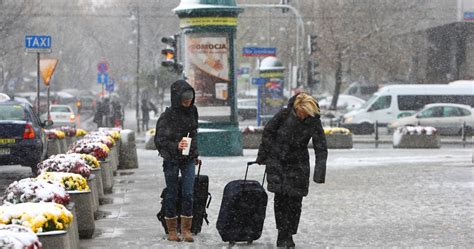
x,y
36,190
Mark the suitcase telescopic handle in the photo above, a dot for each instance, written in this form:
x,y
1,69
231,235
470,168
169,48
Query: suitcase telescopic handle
x,y
199,167
247,170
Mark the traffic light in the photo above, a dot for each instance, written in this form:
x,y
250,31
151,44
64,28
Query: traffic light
x,y
171,54
313,73
312,44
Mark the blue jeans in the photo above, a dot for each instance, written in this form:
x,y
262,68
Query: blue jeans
x,y
171,170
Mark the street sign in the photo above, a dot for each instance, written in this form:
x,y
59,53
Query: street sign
x,y
109,87
102,67
259,81
102,78
47,67
257,51
38,43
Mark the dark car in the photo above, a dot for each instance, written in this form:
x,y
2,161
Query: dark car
x,y
22,137
247,108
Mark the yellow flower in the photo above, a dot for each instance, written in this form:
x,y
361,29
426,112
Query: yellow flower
x,y
336,130
60,134
80,132
151,132
70,181
91,160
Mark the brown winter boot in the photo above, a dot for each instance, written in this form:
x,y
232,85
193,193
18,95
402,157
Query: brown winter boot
x,y
186,222
172,225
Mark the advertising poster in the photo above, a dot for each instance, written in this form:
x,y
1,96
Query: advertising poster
x,y
272,97
207,70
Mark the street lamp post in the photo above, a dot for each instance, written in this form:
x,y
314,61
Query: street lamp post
x,y
137,76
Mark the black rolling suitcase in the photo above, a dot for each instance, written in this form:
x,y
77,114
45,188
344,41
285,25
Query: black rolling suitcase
x,y
202,199
242,211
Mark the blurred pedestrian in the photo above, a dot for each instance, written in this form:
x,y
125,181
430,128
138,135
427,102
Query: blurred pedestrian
x,y
284,151
175,125
116,113
147,106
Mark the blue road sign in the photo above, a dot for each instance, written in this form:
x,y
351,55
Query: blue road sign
x,y
257,51
109,87
38,41
102,78
259,81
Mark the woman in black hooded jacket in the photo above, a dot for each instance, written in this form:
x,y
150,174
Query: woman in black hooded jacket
x,y
178,121
284,151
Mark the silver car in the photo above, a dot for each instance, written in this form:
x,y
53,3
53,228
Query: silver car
x,y
447,118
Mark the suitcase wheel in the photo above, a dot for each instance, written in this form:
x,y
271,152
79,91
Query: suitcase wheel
x,y
231,242
249,242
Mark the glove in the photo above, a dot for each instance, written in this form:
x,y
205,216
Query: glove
x,y
259,161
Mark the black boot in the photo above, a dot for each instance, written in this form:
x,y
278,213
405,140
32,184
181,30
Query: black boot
x,y
282,237
289,242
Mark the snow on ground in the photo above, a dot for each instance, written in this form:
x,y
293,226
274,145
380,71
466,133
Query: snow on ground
x,y
372,197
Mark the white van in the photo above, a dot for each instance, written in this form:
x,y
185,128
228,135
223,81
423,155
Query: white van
x,y
393,101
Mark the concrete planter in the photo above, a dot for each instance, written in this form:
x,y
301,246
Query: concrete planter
x,y
54,239
73,230
64,146
113,156
128,150
339,141
85,213
149,142
92,182
107,176
69,140
100,186
413,141
54,147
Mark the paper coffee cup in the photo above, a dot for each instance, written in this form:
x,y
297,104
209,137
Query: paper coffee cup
x,y
186,150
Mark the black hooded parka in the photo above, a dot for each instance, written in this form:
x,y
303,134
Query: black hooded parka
x,y
284,151
175,123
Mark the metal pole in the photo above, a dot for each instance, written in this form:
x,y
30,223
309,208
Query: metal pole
x,y
376,128
299,25
38,83
49,115
463,134
138,71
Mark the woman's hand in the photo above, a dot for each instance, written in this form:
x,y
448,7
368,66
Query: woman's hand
x,y
182,144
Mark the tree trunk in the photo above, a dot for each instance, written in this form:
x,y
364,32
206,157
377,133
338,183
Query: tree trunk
x,y
337,88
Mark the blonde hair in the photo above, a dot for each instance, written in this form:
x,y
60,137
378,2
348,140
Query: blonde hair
x,y
306,103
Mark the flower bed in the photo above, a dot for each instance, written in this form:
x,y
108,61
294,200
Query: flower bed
x,y
72,163
338,138
36,190
80,132
39,217
70,181
416,137
18,237
54,134
98,150
251,137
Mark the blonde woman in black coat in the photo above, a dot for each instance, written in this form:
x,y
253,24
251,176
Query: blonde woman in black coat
x,y
284,151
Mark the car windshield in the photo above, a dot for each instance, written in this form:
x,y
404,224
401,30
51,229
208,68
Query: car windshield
x,y
12,112
60,109
369,102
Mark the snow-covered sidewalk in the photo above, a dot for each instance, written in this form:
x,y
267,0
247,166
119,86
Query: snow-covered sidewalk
x,y
372,198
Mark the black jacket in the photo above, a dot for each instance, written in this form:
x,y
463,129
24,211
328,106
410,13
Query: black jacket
x,y
284,151
175,123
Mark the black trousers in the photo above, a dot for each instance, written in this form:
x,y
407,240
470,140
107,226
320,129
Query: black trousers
x,y
287,212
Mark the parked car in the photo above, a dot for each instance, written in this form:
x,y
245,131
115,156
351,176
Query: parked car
x,y
247,108
447,118
22,138
61,115
346,102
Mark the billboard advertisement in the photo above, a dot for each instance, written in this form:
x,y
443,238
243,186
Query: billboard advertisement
x,y
207,70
